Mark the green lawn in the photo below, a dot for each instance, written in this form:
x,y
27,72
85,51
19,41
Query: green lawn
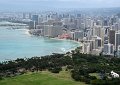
x,y
41,78
95,74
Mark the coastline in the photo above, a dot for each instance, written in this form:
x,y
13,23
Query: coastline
x,y
14,54
56,38
27,32
73,48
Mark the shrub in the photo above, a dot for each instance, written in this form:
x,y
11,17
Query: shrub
x,y
55,69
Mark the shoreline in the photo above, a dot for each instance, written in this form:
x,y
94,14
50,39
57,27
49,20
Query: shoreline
x,y
71,49
61,50
56,38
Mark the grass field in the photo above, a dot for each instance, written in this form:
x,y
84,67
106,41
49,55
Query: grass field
x,y
41,78
95,74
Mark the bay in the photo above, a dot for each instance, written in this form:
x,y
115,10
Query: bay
x,y
17,43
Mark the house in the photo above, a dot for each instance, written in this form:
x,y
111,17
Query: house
x,y
114,75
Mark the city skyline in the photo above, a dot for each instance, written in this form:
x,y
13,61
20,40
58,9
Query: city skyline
x,y
24,5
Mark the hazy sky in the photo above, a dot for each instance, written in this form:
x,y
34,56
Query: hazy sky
x,y
40,4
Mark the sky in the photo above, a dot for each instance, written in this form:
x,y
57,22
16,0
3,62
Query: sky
x,y
47,4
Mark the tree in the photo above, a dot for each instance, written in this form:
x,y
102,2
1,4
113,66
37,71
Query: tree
x,y
55,69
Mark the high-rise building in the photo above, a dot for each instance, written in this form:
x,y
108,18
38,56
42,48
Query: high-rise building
x,y
108,49
100,32
118,51
99,22
29,15
97,31
31,25
71,35
65,21
79,15
24,16
97,42
116,26
112,37
106,28
106,39
86,48
105,23
78,23
78,35
54,16
117,40
88,23
82,26
52,31
35,20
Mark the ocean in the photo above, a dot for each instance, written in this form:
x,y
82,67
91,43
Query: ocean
x,y
17,43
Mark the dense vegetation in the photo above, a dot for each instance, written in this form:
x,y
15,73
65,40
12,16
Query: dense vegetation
x,y
80,65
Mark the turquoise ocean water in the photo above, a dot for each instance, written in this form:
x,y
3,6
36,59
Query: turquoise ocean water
x,y
19,44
